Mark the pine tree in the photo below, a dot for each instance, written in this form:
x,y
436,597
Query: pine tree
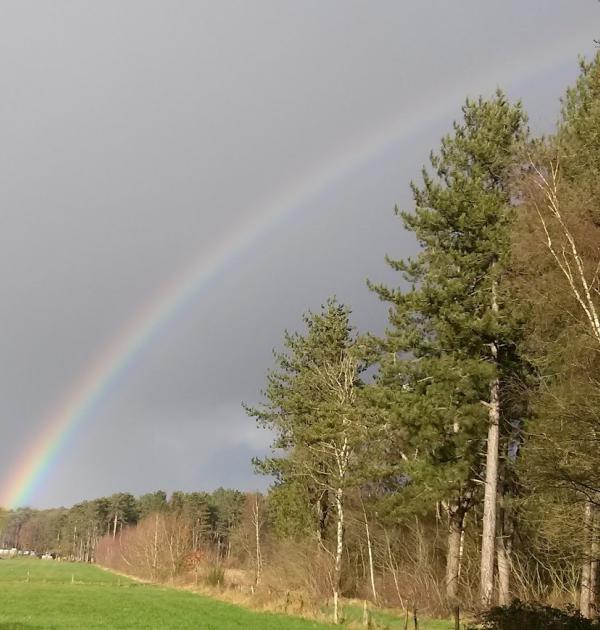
x,y
311,404
453,337
151,502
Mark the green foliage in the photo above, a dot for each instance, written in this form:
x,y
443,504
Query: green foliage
x,y
579,132
525,616
311,416
289,510
435,360
151,502
560,463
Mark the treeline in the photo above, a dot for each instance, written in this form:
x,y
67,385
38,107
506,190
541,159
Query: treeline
x,y
75,533
453,460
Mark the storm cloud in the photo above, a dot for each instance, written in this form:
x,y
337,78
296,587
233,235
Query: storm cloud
x,y
135,135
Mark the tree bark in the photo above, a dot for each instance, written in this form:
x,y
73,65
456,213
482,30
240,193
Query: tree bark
x,y
370,551
486,587
322,513
594,560
585,598
339,550
453,559
256,519
504,552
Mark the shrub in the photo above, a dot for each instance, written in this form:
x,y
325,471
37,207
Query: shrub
x,y
525,616
215,576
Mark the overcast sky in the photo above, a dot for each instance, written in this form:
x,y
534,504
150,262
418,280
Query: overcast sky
x,y
136,134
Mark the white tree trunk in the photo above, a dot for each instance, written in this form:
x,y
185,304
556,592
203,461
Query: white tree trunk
x,y
256,519
504,561
370,551
339,550
585,599
486,586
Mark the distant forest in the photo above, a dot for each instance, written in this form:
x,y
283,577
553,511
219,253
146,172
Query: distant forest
x,y
453,460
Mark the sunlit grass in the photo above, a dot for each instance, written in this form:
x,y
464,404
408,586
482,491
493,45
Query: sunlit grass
x,y
47,594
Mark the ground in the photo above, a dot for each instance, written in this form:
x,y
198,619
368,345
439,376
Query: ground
x,y
37,594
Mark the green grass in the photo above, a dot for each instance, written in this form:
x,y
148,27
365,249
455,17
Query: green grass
x,y
37,594
65,595
383,619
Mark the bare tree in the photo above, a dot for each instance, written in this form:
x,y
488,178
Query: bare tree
x,y
584,286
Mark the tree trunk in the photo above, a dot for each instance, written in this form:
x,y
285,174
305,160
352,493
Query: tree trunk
x,y
115,525
339,550
453,559
370,551
490,498
322,512
486,586
504,552
594,568
256,519
587,588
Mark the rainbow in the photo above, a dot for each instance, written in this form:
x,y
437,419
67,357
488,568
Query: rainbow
x,y
108,369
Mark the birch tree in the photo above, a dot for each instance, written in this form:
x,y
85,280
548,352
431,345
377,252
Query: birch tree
x,y
568,213
311,406
582,282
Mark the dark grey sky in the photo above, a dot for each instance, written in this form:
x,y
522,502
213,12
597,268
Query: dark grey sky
x,y
136,134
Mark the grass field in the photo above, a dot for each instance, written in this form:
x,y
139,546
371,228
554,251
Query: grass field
x,y
45,594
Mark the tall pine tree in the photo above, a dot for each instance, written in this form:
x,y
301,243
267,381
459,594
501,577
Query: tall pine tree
x,y
453,337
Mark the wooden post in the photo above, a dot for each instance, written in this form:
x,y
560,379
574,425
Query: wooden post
x,y
457,618
415,619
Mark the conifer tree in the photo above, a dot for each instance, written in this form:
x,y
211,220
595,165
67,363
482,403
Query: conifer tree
x,y
453,337
311,404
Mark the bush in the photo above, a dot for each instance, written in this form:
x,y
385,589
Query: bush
x,y
524,616
215,576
